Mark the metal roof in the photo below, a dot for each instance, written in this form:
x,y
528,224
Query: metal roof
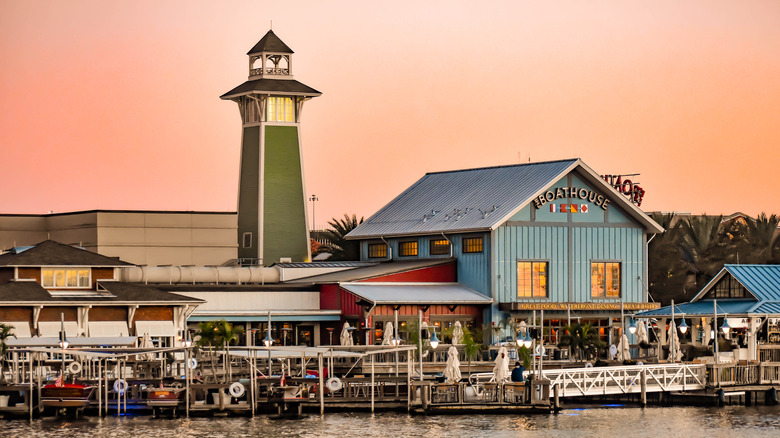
x,y
416,293
372,271
324,264
702,308
478,199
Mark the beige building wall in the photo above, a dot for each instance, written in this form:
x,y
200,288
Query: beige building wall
x,y
140,237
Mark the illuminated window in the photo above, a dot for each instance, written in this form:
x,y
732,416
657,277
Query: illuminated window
x,y
377,250
440,247
532,279
280,109
407,249
65,278
605,280
472,244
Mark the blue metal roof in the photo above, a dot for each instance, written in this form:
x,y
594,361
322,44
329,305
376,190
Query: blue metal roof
x,y
476,199
763,281
702,308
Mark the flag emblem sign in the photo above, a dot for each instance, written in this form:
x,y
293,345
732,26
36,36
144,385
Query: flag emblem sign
x,y
568,208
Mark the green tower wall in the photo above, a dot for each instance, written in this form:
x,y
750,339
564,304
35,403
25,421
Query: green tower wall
x,y
249,191
284,221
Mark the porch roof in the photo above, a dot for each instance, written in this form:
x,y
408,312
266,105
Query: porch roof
x,y
416,293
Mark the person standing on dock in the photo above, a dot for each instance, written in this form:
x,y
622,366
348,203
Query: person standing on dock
x,y
517,372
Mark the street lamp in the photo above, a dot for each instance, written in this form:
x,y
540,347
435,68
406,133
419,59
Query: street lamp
x,y
725,327
434,339
632,327
527,341
683,325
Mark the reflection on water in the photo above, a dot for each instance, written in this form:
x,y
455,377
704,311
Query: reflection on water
x,y
612,421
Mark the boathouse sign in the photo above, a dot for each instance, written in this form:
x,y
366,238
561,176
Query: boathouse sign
x,y
574,193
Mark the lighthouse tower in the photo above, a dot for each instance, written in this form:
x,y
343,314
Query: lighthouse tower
x,y
272,223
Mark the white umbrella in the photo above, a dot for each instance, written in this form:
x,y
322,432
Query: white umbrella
x,y
452,370
675,353
146,342
346,336
457,333
707,335
522,327
641,333
623,348
501,369
387,336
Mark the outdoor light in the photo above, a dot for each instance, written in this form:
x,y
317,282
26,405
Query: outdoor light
x,y
527,341
520,341
632,327
683,326
63,340
434,340
725,327
268,341
396,341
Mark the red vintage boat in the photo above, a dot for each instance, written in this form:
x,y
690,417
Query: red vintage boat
x,y
66,395
164,397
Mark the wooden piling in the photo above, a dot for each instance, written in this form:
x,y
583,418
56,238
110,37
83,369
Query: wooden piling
x,y
643,384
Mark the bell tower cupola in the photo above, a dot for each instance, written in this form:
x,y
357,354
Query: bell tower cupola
x,y
270,58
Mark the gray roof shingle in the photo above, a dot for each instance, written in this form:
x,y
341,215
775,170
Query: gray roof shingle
x,y
51,253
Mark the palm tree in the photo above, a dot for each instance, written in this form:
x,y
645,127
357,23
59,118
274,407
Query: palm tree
x,y
761,239
666,272
5,334
227,333
207,336
335,242
704,248
583,339
471,347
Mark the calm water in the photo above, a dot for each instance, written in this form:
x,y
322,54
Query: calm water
x,y
590,422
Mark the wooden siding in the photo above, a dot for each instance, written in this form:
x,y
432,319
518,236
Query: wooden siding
x,y
53,313
30,273
154,313
101,274
108,314
16,313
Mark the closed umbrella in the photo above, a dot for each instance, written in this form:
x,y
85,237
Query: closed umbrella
x,y
501,369
346,336
452,369
624,353
457,333
387,336
675,353
146,342
707,335
641,333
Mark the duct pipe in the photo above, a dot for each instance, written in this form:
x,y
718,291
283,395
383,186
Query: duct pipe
x,y
199,274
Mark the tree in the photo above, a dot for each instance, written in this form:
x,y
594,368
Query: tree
x,y
583,339
471,347
666,272
5,333
335,242
761,240
704,248
226,334
207,336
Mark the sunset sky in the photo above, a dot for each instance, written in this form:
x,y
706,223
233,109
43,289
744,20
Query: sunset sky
x,y
115,105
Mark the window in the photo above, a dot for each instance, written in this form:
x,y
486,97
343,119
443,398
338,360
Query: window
x,y
605,280
407,249
247,240
440,247
65,278
377,250
532,279
472,244
729,287
280,109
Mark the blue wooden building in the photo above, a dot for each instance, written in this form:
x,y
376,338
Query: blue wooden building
x,y
550,236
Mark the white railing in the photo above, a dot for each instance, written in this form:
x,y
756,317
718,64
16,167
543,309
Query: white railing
x,y
575,382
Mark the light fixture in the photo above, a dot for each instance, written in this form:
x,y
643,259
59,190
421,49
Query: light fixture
x,y
434,340
632,327
396,341
683,326
519,341
725,327
63,340
527,341
268,341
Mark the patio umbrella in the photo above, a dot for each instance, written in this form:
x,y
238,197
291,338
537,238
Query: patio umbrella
x,y
146,342
522,327
641,333
452,369
501,369
387,336
346,336
457,333
707,335
675,353
623,348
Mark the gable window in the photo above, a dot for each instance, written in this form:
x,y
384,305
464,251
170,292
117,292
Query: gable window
x,y
729,287
280,109
377,251
605,280
407,249
65,277
472,244
439,247
532,279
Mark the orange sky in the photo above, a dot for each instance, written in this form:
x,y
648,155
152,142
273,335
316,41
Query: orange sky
x,y
115,105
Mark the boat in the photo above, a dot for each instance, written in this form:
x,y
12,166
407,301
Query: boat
x,y
66,395
167,396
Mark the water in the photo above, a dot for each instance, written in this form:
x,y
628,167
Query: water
x,y
614,421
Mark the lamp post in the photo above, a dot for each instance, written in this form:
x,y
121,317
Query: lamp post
x,y
419,341
63,343
632,327
268,342
313,200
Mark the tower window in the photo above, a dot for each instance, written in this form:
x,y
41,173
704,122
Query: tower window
x,y
247,240
280,109
407,249
377,250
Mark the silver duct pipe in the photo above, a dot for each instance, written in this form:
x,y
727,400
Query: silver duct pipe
x,y
199,274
